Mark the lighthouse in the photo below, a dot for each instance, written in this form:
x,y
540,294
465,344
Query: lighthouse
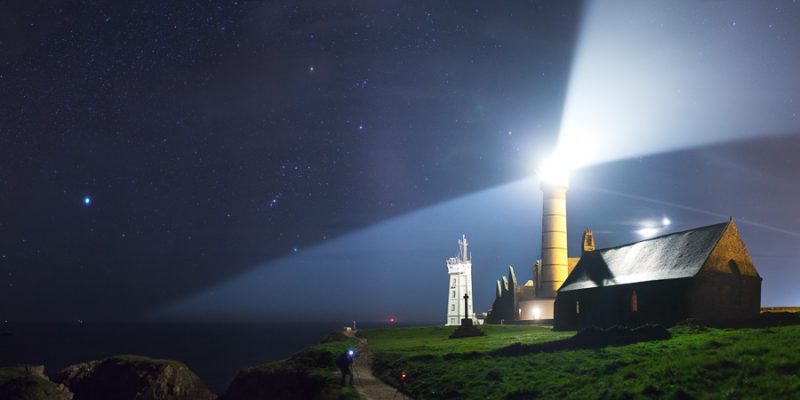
x,y
555,261
459,270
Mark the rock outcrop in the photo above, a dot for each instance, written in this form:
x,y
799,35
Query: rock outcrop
x,y
133,378
305,376
27,382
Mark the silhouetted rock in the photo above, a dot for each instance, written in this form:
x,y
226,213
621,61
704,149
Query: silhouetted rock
x,y
306,375
29,383
133,377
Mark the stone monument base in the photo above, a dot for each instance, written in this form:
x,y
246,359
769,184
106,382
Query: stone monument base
x,y
467,329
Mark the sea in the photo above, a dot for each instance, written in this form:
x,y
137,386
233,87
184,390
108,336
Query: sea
x,y
215,352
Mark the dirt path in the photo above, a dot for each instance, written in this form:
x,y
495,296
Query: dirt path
x,y
368,386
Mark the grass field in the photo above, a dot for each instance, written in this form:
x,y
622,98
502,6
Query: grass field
x,y
713,363
433,340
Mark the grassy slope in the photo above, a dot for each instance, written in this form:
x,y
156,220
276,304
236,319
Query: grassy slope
x,y
433,340
312,360
336,345
9,373
736,363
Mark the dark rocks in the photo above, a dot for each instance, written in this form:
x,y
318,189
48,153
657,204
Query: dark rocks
x,y
133,377
276,382
30,383
306,375
778,319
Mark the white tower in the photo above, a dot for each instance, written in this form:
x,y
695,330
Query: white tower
x,y
460,271
555,263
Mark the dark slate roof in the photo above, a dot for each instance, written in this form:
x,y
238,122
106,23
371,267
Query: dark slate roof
x,y
673,256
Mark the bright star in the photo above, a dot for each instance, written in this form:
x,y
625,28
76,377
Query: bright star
x,y
87,200
311,69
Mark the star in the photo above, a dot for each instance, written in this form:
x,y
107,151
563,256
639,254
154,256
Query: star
x,y
87,201
311,69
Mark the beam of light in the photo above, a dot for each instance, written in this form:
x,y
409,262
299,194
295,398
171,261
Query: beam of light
x,y
568,155
653,76
692,209
554,170
368,274
648,232
371,273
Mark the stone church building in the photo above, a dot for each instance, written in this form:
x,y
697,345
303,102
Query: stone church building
x,y
704,273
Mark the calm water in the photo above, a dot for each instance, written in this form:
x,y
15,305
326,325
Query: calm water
x,y
214,352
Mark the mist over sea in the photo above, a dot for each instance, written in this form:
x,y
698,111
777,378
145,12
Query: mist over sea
x,y
215,352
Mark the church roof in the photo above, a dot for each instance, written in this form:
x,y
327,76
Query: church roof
x,y
672,256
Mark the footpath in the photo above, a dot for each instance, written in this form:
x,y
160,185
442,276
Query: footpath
x,y
367,385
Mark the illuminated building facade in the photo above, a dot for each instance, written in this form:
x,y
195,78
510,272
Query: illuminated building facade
x,y
704,273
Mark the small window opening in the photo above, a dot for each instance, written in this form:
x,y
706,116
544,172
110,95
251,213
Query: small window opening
x,y
634,302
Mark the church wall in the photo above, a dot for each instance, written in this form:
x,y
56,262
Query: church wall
x,y
659,302
720,297
728,287
730,247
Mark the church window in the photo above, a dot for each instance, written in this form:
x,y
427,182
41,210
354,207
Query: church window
x,y
454,282
454,294
634,302
577,307
452,307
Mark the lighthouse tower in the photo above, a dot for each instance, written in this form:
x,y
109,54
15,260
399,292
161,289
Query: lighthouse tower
x,y
460,271
555,262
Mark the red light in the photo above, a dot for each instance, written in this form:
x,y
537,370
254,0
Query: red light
x,y
392,320
403,376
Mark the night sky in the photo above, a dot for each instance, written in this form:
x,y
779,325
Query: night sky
x,y
255,160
